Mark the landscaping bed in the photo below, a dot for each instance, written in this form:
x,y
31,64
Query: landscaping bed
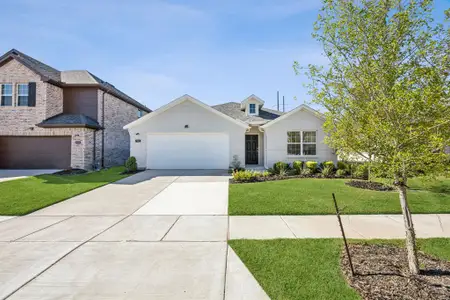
x,y
382,273
369,185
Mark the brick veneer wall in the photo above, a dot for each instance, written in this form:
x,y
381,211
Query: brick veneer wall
x,y
22,120
117,141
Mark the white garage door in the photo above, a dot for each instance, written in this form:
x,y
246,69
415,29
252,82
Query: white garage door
x,y
188,151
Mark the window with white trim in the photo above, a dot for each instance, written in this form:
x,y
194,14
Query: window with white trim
x,y
252,109
22,94
7,94
301,143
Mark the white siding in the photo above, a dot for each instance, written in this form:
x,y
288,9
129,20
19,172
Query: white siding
x,y
199,120
276,139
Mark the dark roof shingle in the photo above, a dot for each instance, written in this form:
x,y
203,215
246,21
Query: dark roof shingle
x,y
233,109
70,120
82,77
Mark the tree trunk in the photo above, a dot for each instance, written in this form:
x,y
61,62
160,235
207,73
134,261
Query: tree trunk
x,y
410,233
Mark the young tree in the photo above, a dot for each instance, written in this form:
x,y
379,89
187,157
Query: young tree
x,y
386,88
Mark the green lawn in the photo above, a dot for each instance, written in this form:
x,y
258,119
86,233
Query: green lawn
x,y
23,196
309,268
313,196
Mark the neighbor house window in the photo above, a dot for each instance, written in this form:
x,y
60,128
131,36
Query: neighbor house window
x,y
22,94
252,109
301,143
7,96
140,113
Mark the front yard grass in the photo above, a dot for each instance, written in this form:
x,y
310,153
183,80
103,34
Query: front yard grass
x,y
23,196
309,268
310,196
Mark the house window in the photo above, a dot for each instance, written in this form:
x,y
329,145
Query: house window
x,y
22,94
140,113
301,143
294,146
309,142
7,94
252,109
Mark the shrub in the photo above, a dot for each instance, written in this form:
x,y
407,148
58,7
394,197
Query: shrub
x,y
312,166
131,164
236,164
265,174
280,167
328,164
298,166
328,171
361,171
343,166
243,175
306,171
341,172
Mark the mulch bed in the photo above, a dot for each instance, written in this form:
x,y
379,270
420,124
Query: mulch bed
x,y
382,273
369,185
278,177
70,172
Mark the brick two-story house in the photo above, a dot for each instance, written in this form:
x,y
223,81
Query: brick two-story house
x,y
60,119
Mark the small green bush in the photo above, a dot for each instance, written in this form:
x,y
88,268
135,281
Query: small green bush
x,y
341,173
280,167
298,166
328,171
248,175
361,171
343,166
328,164
312,166
131,164
306,171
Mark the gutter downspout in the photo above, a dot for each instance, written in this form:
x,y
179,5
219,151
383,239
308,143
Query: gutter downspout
x,y
103,127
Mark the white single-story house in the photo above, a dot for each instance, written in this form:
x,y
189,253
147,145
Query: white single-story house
x,y
189,134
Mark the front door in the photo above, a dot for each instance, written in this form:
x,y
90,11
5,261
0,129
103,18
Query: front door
x,y
251,149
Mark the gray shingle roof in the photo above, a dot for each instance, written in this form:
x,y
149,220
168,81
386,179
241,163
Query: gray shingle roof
x,y
39,67
233,109
82,77
70,120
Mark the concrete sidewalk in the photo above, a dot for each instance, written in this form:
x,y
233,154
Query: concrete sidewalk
x,y
355,226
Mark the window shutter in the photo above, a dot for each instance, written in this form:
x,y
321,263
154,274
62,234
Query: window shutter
x,y
32,94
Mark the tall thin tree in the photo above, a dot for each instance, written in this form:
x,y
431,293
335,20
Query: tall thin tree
x,y
386,88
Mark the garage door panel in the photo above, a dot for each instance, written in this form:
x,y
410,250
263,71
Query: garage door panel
x,y
187,151
35,152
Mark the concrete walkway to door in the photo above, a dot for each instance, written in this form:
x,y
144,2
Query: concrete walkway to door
x,y
154,235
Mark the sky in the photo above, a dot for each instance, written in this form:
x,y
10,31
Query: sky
x,y
157,50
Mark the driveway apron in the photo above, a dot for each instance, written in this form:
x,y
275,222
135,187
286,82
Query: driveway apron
x,y
154,235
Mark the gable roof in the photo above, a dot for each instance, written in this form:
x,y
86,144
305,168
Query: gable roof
x,y
179,101
295,110
252,97
233,109
45,71
68,78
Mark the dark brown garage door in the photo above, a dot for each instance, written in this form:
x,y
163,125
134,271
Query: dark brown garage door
x,y
35,152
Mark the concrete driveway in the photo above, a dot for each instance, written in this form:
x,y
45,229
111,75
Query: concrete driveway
x,y
154,235
9,174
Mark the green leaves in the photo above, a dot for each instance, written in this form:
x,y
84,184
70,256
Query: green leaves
x,y
387,87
